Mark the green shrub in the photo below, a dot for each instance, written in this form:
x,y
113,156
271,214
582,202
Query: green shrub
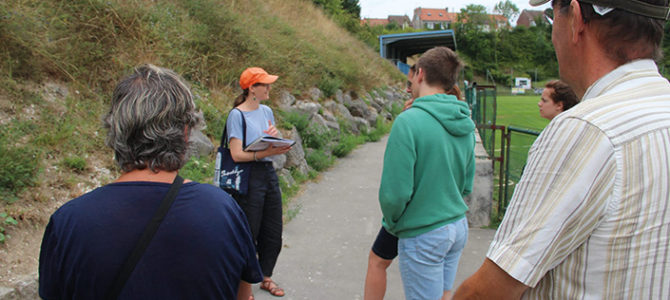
x,y
214,118
382,128
329,85
347,143
319,160
5,220
287,191
19,167
316,138
200,169
290,119
76,163
345,126
396,109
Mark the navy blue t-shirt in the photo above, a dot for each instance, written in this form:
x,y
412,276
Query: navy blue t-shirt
x,y
201,250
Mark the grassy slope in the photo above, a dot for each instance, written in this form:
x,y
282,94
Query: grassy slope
x,y
59,61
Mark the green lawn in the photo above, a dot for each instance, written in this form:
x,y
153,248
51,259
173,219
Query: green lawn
x,y
519,112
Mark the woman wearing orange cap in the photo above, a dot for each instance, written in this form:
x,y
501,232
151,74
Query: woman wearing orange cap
x,y
262,204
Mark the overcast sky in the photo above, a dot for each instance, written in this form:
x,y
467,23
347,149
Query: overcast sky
x,y
384,8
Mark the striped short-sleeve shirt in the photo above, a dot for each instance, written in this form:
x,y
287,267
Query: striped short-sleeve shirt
x,y
590,217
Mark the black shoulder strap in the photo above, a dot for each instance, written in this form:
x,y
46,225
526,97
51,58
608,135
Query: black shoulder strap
x,y
224,137
145,239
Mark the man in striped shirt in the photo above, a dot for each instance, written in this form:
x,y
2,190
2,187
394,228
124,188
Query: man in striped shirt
x,y
590,218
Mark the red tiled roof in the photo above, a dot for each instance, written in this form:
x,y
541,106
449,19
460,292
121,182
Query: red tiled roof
x,y
437,14
374,22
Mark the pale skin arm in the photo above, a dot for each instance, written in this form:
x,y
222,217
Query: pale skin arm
x,y
490,282
240,155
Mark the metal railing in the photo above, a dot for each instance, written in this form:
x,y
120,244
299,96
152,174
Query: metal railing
x,y
512,152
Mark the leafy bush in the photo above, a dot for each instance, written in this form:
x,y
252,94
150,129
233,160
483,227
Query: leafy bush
x,y
75,163
287,191
382,128
200,169
319,160
214,118
316,138
329,85
290,119
396,109
19,167
5,220
347,143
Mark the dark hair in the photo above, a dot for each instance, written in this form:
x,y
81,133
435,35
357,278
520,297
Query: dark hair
x,y
148,114
627,36
241,98
441,67
562,93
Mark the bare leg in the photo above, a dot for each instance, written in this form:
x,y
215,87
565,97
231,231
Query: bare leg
x,y
375,280
244,291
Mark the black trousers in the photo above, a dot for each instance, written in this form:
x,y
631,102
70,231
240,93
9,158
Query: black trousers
x,y
263,207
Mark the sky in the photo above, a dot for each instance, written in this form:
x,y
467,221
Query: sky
x,y
384,8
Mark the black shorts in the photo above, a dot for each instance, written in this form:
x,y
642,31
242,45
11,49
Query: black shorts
x,y
386,245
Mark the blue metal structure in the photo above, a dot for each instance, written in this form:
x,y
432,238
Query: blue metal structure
x,y
397,47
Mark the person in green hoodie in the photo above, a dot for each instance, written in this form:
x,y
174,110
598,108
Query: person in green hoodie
x,y
429,166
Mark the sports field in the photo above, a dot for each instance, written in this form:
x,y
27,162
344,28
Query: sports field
x,y
519,112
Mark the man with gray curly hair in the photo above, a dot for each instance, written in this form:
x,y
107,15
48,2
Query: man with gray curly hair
x,y
201,250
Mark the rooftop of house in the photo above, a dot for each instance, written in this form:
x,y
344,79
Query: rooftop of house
x,y
374,22
435,14
399,19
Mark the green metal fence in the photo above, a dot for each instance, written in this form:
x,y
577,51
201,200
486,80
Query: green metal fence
x,y
518,142
509,153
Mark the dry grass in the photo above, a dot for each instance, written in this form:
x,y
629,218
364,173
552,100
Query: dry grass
x,y
84,46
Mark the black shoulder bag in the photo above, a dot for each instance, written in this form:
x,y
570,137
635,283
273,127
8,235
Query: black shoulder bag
x,y
145,239
229,175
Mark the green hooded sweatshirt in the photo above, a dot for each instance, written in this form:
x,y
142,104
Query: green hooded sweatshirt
x,y
429,165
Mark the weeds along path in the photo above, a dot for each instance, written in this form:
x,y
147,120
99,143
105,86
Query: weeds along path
x,y
326,245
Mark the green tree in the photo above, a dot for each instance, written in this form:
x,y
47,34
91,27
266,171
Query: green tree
x,y
473,14
507,9
352,7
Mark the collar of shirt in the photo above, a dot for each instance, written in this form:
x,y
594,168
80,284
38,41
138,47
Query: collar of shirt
x,y
604,83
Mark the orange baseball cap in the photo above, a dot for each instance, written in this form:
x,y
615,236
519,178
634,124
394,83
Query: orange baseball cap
x,y
254,75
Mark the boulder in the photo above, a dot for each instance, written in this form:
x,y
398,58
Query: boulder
x,y
347,99
295,158
372,117
200,145
358,108
361,124
324,124
286,175
278,161
376,106
315,94
339,96
309,108
286,100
